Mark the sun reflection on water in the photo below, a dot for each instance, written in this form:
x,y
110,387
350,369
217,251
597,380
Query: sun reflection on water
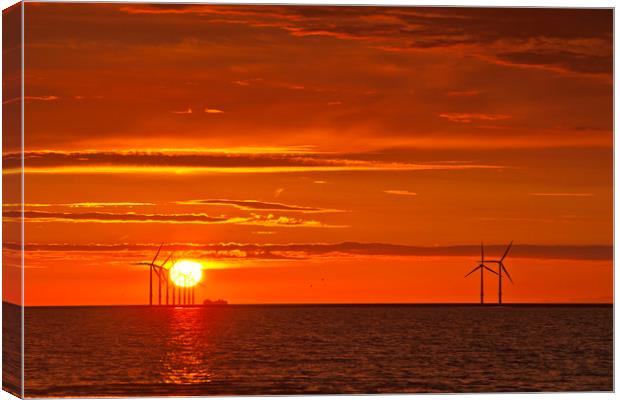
x,y
183,363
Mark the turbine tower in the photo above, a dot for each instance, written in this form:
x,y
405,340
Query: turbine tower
x,y
481,267
500,268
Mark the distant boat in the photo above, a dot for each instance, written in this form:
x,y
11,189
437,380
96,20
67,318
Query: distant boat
x,y
218,302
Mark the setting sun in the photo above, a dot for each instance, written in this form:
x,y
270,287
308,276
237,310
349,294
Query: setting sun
x,y
186,273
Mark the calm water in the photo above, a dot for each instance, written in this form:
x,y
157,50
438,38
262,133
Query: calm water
x,y
114,351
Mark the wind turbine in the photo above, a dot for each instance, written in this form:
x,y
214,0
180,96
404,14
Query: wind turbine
x,y
162,275
500,268
151,268
481,267
174,287
178,293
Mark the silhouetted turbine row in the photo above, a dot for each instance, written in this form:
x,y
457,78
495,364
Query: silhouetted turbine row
x,y
182,295
500,267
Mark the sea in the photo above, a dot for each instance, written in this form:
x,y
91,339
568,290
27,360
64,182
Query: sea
x,y
314,349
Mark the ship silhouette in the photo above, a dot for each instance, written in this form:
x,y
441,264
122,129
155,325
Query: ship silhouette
x,y
218,302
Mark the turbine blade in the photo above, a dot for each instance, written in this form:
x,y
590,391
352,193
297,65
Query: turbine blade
x,y
490,270
506,252
506,271
482,252
156,254
472,271
163,265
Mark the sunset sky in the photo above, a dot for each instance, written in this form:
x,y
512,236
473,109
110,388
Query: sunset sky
x,y
313,154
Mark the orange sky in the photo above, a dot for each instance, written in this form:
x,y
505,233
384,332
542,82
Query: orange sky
x,y
312,154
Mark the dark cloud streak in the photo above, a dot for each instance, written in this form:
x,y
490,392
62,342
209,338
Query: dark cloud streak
x,y
112,217
570,40
253,205
300,251
130,217
56,159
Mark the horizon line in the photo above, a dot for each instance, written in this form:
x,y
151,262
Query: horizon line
x,y
477,304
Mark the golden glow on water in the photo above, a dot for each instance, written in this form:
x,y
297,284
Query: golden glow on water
x,y
183,362
186,273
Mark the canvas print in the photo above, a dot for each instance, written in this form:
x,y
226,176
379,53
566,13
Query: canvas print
x,y
206,199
